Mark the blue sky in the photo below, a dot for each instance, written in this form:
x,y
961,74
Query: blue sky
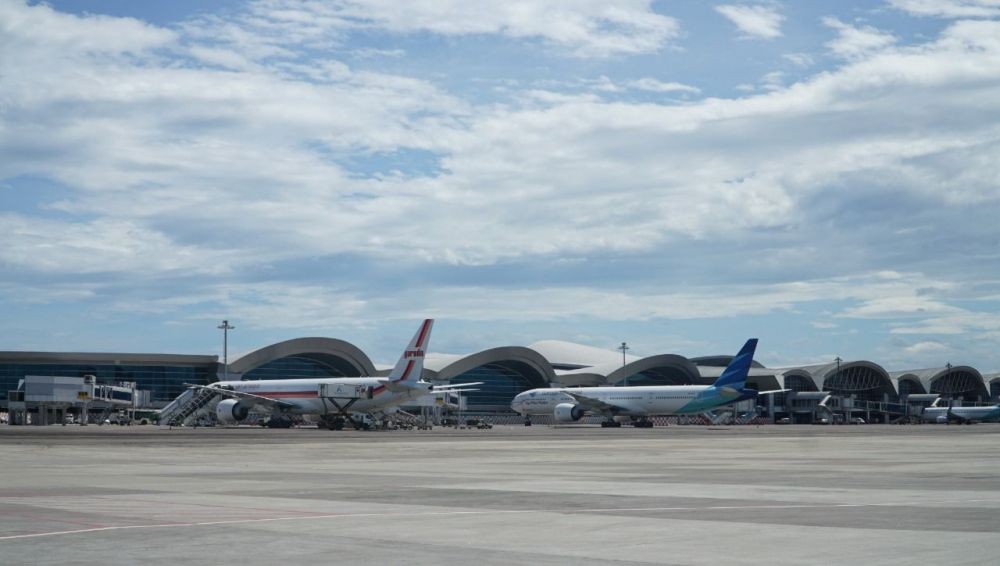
x,y
679,175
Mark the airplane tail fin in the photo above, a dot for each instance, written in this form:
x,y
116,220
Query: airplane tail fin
x,y
735,374
411,364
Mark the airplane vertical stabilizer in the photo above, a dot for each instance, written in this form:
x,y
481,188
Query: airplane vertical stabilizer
x,y
410,366
735,374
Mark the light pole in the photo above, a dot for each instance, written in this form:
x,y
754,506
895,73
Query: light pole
x,y
846,417
624,348
225,327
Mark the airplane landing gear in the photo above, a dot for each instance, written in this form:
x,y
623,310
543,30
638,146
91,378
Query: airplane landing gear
x,y
331,423
527,422
643,423
611,424
278,422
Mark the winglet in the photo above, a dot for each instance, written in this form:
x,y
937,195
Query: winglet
x,y
411,364
735,374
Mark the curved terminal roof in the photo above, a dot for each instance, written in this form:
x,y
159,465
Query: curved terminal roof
x,y
346,357
720,361
524,361
858,375
946,381
674,369
570,355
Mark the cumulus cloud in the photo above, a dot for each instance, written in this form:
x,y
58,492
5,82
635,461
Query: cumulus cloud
x,y
257,151
927,347
755,21
950,8
654,85
856,42
588,28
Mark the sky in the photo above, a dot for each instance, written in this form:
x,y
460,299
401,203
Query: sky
x,y
822,175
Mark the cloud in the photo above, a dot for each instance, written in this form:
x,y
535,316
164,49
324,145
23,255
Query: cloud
x,y
654,85
856,42
927,347
949,8
582,28
241,155
755,21
803,60
191,164
77,37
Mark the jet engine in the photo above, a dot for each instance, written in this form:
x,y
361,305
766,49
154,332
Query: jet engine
x,y
568,413
231,411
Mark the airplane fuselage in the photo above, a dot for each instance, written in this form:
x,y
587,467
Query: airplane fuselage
x,y
641,401
306,398
975,414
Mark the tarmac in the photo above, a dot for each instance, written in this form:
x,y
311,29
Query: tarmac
x,y
777,494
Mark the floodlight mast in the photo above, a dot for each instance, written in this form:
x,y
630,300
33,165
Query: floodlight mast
x,y
225,327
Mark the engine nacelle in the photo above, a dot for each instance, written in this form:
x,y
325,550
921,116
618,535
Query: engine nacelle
x,y
568,413
231,411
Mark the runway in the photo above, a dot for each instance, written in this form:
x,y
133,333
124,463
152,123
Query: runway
x,y
541,495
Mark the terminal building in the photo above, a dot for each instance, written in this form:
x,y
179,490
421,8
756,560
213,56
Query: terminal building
x,y
838,389
162,375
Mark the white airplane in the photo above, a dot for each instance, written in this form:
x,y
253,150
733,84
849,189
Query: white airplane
x,y
570,404
332,401
961,415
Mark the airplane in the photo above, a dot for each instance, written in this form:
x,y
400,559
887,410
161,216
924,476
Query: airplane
x,y
961,415
570,404
332,401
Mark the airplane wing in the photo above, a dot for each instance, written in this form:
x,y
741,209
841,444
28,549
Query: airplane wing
x,y
773,392
595,405
447,387
249,397
447,391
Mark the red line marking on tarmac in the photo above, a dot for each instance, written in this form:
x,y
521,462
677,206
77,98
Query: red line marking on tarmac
x,y
53,519
489,512
233,507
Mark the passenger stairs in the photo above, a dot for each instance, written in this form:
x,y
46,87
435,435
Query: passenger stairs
x,y
405,419
186,407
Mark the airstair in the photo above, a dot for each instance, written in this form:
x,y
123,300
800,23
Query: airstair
x,y
186,406
401,417
717,418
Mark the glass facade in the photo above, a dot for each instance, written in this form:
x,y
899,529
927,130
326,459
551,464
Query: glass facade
x,y
961,384
910,387
501,382
165,382
860,382
298,367
799,383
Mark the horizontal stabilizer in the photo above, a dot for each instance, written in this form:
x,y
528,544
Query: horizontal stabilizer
x,y
774,391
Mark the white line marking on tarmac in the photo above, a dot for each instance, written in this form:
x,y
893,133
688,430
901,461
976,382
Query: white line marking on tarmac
x,y
481,512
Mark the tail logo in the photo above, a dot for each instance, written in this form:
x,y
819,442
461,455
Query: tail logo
x,y
413,354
